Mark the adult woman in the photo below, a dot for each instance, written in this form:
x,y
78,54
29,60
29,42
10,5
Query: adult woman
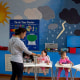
x,y
16,47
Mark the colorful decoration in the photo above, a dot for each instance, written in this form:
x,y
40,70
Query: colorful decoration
x,y
72,50
32,37
62,30
4,12
12,30
28,28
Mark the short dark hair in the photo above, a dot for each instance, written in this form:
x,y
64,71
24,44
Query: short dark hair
x,y
19,31
62,52
45,51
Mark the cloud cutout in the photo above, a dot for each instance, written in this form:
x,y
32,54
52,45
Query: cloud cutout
x,y
76,1
18,17
77,32
70,16
47,12
53,26
33,13
28,1
36,3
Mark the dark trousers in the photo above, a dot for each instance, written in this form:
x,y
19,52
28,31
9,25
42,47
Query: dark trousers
x,y
17,70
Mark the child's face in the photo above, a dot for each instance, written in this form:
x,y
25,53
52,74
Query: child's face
x,y
64,55
27,56
43,53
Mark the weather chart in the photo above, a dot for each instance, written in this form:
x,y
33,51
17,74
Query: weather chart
x,y
32,37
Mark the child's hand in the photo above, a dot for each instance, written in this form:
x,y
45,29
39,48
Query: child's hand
x,y
61,64
38,61
32,61
48,63
72,63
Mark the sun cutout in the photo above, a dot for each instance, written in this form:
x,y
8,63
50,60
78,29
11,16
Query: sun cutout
x,y
4,12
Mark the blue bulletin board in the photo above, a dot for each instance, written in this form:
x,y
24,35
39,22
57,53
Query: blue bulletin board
x,y
73,41
32,37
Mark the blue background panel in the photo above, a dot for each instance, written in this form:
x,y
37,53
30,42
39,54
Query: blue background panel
x,y
73,41
54,56
77,50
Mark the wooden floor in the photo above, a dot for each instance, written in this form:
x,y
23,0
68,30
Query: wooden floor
x,y
7,77
24,78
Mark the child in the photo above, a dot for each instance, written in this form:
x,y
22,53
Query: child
x,y
43,59
63,60
28,59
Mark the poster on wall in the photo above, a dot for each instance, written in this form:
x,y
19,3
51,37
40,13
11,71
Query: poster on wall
x,y
32,37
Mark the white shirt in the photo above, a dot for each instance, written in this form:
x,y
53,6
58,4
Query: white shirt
x,y
16,48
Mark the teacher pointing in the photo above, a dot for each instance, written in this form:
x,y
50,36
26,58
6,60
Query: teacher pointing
x,y
16,48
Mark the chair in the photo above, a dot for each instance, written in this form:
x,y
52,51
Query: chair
x,y
77,68
45,65
37,69
57,65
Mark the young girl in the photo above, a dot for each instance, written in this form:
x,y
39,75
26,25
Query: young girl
x,y
28,59
43,59
63,60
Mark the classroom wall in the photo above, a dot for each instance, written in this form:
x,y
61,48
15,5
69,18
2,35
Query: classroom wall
x,y
51,13
54,57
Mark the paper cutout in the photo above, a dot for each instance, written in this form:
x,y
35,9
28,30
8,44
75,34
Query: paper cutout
x,y
62,30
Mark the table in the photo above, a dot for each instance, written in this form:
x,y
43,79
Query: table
x,y
46,65
57,65
77,67
39,65
31,65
